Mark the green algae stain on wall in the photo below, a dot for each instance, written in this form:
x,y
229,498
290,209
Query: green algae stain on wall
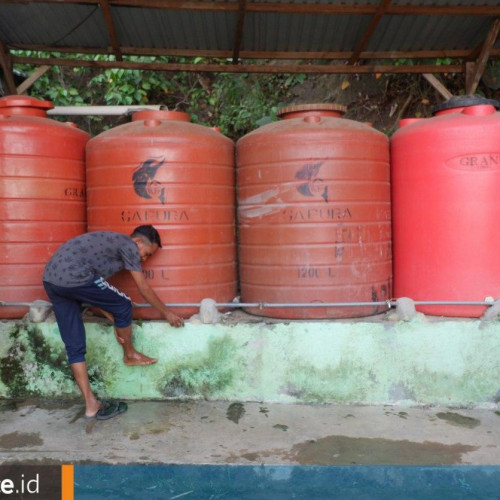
x,y
204,374
438,362
102,364
345,382
34,363
33,366
454,389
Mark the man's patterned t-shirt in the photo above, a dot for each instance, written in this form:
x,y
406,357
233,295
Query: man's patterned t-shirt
x,y
101,253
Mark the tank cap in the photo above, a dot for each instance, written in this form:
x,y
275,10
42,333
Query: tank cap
x,y
318,107
464,101
23,101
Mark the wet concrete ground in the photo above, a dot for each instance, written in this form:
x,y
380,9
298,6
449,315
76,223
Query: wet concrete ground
x,y
202,432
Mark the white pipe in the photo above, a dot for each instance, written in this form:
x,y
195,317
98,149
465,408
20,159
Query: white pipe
x,y
264,305
387,303
100,110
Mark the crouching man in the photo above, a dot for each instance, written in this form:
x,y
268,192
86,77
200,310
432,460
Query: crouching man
x,y
77,274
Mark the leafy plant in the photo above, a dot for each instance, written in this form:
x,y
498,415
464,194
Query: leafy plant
x,y
235,103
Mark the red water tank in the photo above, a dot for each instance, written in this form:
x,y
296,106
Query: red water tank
x,y
163,170
446,206
42,195
314,214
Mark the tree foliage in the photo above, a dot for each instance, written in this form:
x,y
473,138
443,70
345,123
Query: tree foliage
x,y
239,103
236,104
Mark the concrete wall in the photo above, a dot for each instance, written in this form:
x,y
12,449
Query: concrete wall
x,y
422,361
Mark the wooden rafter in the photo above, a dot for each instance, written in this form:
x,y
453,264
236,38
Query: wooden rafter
x,y
258,54
41,70
293,7
238,36
382,9
438,85
6,64
110,24
243,68
474,71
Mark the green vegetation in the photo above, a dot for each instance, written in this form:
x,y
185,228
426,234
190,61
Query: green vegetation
x,y
236,104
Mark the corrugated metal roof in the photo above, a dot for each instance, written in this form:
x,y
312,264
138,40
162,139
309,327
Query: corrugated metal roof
x,y
352,31
429,33
52,25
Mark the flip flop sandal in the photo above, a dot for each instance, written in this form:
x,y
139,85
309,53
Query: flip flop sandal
x,y
110,409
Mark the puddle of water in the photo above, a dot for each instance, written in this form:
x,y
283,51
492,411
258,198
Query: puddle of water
x,y
32,404
281,427
343,450
20,440
459,420
235,412
78,415
8,405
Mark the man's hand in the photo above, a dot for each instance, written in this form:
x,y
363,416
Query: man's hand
x,y
150,295
173,319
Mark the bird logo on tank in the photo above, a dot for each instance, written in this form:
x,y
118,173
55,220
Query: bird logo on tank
x,y
145,183
314,186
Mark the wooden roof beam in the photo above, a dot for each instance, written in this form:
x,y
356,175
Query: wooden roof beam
x,y
474,70
110,24
382,9
243,68
238,35
6,64
438,85
292,8
38,73
314,8
258,54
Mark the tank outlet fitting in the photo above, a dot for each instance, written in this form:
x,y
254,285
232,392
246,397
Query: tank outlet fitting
x,y
312,119
152,123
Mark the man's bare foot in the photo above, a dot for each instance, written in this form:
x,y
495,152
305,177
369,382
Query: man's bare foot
x,y
137,359
92,409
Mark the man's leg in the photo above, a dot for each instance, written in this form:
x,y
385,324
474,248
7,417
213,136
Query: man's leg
x,y
117,307
72,330
92,404
131,357
123,335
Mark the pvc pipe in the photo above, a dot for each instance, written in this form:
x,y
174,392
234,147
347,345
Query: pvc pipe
x,y
265,305
100,110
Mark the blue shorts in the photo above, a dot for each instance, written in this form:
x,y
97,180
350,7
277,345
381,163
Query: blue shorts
x,y
67,303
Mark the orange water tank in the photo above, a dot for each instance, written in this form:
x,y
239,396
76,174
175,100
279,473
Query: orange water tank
x,y
42,195
446,206
314,214
163,170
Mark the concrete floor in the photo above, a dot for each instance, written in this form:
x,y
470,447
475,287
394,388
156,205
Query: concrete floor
x,y
221,432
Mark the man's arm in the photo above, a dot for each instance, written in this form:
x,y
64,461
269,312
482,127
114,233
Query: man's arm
x,y
150,295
